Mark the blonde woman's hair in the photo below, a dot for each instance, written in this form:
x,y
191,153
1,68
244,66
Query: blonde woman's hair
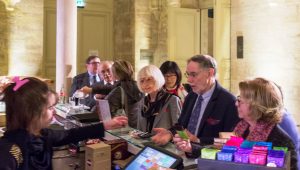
x,y
151,71
264,99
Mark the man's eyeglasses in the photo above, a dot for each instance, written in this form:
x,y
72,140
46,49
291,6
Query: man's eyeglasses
x,y
191,74
95,63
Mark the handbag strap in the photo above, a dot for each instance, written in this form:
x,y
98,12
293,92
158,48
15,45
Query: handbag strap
x,y
122,97
123,100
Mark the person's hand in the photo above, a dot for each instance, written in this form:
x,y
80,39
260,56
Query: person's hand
x,y
162,136
86,90
183,145
192,137
4,82
92,141
115,123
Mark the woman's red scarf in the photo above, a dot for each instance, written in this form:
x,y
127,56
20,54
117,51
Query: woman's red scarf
x,y
260,132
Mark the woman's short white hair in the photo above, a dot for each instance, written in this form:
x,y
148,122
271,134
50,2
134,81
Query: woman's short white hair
x,y
151,71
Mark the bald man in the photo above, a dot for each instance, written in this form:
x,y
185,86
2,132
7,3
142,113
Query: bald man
x,y
106,73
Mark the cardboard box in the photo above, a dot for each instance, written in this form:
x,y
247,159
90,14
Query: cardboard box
x,y
103,165
2,120
98,156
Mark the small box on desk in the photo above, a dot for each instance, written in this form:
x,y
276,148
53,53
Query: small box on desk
x,y
98,156
2,119
207,164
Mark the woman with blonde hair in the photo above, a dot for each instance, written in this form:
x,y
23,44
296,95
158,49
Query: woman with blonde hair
x,y
160,108
260,108
27,142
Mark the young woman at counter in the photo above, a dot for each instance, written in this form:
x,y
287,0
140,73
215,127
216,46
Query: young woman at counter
x,y
27,143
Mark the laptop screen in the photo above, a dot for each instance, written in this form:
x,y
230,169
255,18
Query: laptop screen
x,y
150,157
103,110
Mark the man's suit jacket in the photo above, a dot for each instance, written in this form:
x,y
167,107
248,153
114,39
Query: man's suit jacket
x,y
220,114
102,83
80,81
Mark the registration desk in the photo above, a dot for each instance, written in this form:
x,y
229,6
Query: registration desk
x,y
62,159
135,145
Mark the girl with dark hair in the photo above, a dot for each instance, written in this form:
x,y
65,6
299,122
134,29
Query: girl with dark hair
x,y
27,142
173,76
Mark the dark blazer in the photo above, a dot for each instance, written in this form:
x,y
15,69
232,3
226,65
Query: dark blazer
x,y
100,88
220,114
80,81
101,83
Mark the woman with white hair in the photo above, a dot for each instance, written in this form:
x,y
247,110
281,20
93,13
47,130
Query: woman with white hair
x,y
160,109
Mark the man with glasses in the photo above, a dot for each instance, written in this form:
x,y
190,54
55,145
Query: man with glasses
x,y
207,110
87,79
106,73
107,77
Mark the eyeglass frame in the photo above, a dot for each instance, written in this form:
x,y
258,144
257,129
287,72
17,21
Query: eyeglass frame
x,y
194,74
239,101
95,63
170,75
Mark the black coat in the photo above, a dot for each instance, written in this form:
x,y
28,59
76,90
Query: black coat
x,y
279,138
22,151
220,114
80,81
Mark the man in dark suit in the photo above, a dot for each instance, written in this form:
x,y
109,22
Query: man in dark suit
x,y
107,80
207,110
106,73
102,88
87,79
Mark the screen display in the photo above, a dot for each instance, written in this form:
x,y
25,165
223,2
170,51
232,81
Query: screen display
x,y
150,158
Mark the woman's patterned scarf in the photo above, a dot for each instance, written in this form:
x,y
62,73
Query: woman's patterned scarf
x,y
260,132
153,108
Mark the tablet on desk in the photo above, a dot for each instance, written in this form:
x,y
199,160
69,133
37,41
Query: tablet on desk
x,y
151,156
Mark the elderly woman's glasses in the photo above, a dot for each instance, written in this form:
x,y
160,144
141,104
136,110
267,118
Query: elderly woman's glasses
x,y
239,101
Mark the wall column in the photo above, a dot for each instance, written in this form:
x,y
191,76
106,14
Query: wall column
x,y
66,41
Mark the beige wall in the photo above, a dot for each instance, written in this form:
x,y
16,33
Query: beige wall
x,y
271,45
123,29
22,45
4,39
